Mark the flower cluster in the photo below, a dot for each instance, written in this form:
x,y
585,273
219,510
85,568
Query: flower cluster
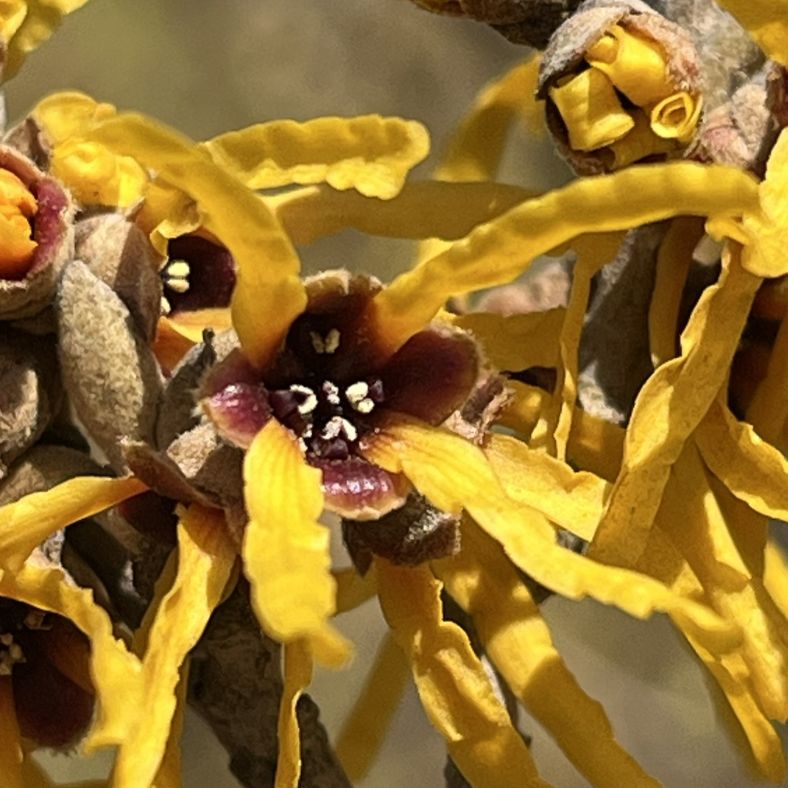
x,y
595,442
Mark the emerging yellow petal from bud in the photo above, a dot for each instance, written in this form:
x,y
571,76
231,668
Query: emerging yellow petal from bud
x,y
17,205
676,116
591,110
639,143
633,63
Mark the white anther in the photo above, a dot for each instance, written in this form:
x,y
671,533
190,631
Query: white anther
x,y
178,285
337,426
165,306
327,344
332,392
310,403
178,269
356,395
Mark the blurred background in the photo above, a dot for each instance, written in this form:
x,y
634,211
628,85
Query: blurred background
x,y
208,67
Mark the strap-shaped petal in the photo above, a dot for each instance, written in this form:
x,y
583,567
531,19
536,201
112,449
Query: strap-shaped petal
x,y
297,676
575,500
768,411
596,445
30,520
669,407
499,251
423,209
515,636
523,410
41,19
115,673
365,728
353,589
767,23
775,575
11,754
753,470
285,548
206,556
268,294
169,773
454,474
371,154
455,691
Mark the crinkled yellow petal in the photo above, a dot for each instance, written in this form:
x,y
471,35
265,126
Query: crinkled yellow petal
x,y
169,774
12,14
455,691
297,675
768,411
764,254
25,523
767,23
167,213
370,154
285,548
703,522
11,755
115,673
634,63
572,499
454,474
353,589
69,114
515,342
668,408
674,259
775,575
41,19
516,638
676,117
421,210
206,555
591,110
754,471
596,445
499,251
268,294
365,727
523,410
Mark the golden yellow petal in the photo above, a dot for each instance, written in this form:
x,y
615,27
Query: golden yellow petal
x,y
638,144
634,63
768,411
668,408
285,548
499,251
68,114
297,675
767,23
754,471
452,683
524,408
775,576
515,342
169,774
673,262
572,499
676,116
30,520
206,555
268,294
115,673
167,213
191,324
370,154
515,636
11,17
591,110
596,445
364,729
353,589
41,19
421,210
11,755
454,474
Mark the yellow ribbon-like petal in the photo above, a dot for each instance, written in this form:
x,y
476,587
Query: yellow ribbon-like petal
x,y
423,209
370,154
169,774
353,589
30,24
768,411
297,676
455,475
767,23
596,445
523,410
575,500
452,683
206,555
268,294
754,471
499,251
285,549
668,408
365,728
11,754
775,576
25,523
515,636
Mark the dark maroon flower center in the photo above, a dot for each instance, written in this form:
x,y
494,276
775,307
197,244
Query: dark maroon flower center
x,y
17,623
